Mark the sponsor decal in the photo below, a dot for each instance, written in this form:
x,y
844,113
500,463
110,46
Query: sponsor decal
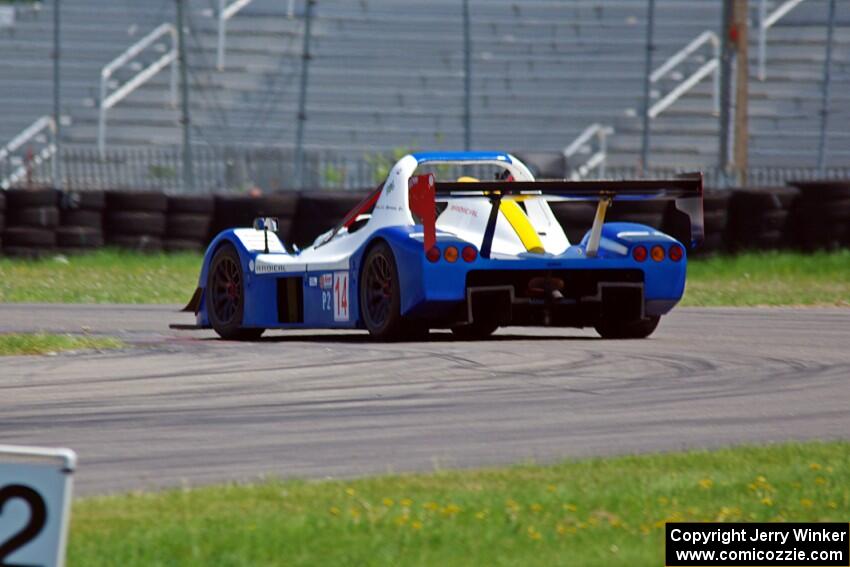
x,y
312,281
463,210
340,296
326,281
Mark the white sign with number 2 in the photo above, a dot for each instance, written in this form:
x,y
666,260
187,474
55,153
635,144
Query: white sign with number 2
x,y
35,502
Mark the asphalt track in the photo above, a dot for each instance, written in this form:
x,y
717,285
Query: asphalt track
x,y
184,407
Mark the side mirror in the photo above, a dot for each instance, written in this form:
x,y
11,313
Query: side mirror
x,y
265,223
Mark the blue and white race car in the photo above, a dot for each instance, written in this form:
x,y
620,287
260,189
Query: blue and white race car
x,y
466,255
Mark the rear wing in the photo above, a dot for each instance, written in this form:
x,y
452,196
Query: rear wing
x,y
685,190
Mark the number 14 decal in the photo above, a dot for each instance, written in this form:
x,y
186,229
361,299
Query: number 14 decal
x,y
340,296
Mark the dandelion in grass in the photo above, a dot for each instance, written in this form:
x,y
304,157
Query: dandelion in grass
x,y
806,503
431,506
334,511
416,525
388,502
482,515
706,483
534,534
536,508
406,502
570,507
815,466
350,491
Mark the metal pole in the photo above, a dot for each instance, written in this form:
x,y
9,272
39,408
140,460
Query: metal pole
x,y
650,47
824,113
467,79
762,40
302,97
742,91
725,84
56,172
188,170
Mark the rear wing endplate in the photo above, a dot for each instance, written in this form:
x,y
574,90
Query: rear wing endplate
x,y
685,190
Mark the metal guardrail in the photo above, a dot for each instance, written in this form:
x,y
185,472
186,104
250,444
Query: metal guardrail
x,y
766,21
582,144
233,169
31,133
225,12
108,101
712,66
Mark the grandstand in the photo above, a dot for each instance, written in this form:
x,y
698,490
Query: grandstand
x,y
386,74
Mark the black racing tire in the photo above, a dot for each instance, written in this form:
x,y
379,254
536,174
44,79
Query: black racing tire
x,y
137,243
2,221
82,217
82,200
639,329
22,198
149,201
135,223
29,237
182,245
188,226
191,205
225,296
2,201
79,237
40,217
474,332
380,294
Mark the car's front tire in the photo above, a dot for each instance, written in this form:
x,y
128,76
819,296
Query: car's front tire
x,y
639,329
225,296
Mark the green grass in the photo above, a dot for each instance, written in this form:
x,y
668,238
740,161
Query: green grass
x,y
44,343
770,278
106,276
591,512
765,278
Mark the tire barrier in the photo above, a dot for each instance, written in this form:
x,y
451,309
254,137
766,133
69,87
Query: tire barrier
x,y
188,222
135,220
758,218
241,210
31,220
813,215
81,221
320,211
820,217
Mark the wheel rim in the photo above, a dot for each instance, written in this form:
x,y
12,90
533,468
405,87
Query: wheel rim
x,y
379,289
226,290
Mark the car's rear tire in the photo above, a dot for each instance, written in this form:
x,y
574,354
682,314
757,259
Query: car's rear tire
x,y
380,295
474,331
225,296
639,329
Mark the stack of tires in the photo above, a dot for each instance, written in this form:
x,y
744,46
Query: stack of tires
x,y
188,223
81,221
235,211
759,218
820,218
135,220
32,216
716,222
320,211
2,216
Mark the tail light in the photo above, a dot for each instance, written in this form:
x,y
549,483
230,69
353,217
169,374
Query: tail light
x,y
675,253
451,254
433,254
469,253
657,253
639,253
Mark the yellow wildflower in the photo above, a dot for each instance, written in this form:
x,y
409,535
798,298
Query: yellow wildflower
x,y
481,515
406,502
536,508
388,502
534,534
815,466
334,511
570,507
706,483
350,491
806,503
417,525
